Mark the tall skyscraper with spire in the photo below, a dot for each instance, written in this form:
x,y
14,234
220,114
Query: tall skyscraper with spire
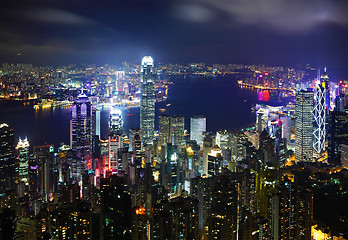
x,y
147,101
324,78
304,126
23,160
81,134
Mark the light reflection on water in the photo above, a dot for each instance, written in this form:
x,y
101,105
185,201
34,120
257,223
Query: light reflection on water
x,y
221,100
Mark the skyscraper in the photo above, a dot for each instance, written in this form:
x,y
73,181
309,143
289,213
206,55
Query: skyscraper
x,y
23,159
115,122
81,134
44,157
319,123
171,130
147,101
198,127
304,126
164,130
337,135
177,130
7,157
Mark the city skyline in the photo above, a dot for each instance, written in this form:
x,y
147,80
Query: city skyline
x,y
183,119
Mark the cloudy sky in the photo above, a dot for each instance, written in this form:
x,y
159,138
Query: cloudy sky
x,y
215,31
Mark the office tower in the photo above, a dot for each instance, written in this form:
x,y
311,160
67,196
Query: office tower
x,y
261,119
135,145
177,130
197,128
172,170
304,126
339,103
96,122
164,130
337,135
23,160
207,147
44,157
267,148
238,141
171,130
281,151
215,161
115,122
286,127
115,207
223,139
319,123
7,157
147,101
81,135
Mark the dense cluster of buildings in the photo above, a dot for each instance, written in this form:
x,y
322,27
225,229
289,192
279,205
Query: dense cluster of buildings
x,y
265,182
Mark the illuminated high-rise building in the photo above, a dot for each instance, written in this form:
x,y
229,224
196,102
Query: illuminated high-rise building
x,y
23,160
147,101
115,122
164,130
337,135
319,123
304,126
198,127
81,135
171,130
44,157
7,157
115,132
177,130
96,122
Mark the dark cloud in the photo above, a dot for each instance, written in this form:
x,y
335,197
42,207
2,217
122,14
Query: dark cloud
x,y
277,31
295,16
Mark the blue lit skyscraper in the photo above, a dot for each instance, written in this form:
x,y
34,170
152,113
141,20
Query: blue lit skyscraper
x,y
319,123
198,127
147,101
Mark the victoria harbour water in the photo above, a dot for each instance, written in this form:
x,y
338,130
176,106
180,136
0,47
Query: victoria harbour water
x,y
225,105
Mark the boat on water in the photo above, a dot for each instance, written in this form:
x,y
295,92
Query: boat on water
x,y
169,104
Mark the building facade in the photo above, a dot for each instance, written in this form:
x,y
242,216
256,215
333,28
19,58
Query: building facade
x,y
304,126
147,101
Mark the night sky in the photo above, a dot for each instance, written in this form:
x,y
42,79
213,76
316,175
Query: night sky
x,y
54,32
